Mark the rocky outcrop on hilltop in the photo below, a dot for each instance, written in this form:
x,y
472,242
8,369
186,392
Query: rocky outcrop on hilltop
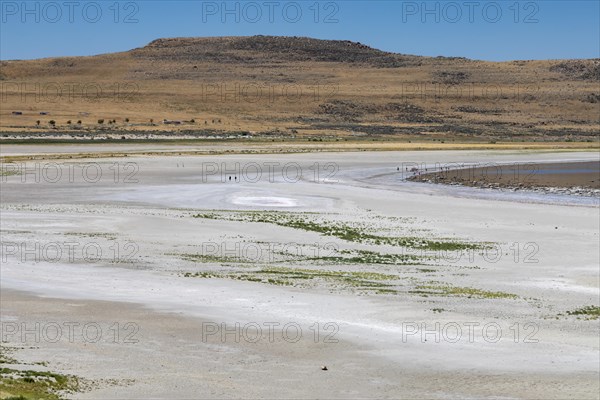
x,y
272,49
579,69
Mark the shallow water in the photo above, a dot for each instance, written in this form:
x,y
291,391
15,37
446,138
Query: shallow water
x,y
392,181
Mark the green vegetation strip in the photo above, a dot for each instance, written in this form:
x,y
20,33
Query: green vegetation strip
x,y
354,257
19,384
338,230
362,281
448,290
369,257
371,282
589,312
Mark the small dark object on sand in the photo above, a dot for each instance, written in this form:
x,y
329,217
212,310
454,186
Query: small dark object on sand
x,y
324,367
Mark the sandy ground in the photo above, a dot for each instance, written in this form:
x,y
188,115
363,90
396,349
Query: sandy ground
x,y
157,327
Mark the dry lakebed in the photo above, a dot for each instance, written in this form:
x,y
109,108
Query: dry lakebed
x,y
235,276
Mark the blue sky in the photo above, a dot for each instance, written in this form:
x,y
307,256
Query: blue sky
x,y
488,30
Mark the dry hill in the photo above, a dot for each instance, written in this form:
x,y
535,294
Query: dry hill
x,y
291,86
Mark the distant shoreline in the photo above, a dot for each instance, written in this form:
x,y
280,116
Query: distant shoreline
x,y
579,178
48,149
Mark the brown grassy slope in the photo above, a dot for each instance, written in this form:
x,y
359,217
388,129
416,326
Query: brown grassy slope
x,y
300,86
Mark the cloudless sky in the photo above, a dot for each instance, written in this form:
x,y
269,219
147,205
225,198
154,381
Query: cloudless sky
x,y
488,30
